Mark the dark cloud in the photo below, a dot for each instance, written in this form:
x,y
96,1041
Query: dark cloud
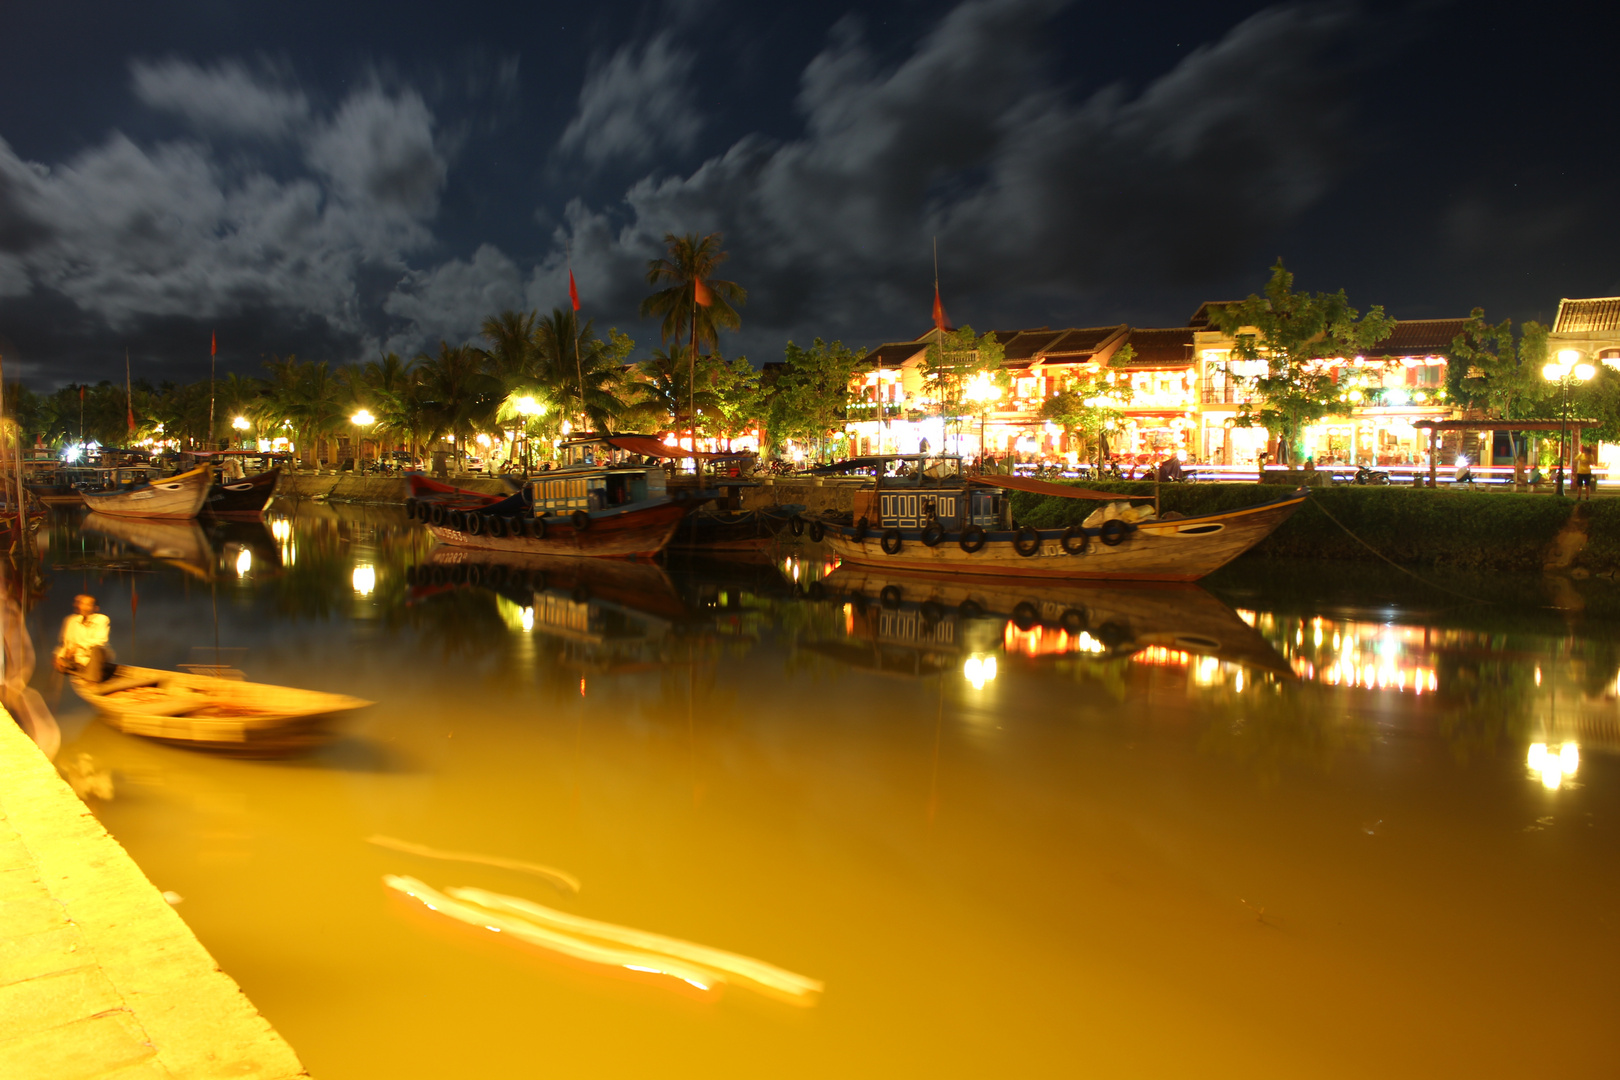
x,y
319,218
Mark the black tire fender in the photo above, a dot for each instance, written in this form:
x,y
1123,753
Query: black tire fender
x,y
972,539
817,531
1074,621
472,523
436,514
862,527
1070,535
932,534
1025,615
581,520
796,525
892,543
1026,541
1113,531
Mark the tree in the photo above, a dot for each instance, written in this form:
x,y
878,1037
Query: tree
x,y
810,398
1093,403
693,304
957,359
458,396
565,353
1299,336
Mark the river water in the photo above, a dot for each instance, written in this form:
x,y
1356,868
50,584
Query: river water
x,y
1317,820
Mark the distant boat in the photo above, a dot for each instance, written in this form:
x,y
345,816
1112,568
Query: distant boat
x,y
720,532
177,497
209,712
242,499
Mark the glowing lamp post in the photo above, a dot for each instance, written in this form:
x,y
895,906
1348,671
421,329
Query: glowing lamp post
x,y
241,424
982,391
1566,371
528,408
363,420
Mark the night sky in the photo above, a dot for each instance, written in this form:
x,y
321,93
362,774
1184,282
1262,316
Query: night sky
x,y
338,179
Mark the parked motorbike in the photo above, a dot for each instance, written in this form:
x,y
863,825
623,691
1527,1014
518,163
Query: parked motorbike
x,y
1365,475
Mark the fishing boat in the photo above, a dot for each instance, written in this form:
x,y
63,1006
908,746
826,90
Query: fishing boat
x,y
712,531
181,496
210,712
608,511
942,522
242,499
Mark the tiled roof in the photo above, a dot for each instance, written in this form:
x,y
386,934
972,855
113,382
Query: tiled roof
x,y
1200,319
1024,344
1162,348
1085,340
1586,316
1419,337
893,355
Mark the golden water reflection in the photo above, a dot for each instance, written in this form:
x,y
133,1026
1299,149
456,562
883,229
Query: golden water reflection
x,y
1013,831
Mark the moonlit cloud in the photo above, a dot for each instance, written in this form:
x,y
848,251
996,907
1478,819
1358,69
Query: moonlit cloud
x,y
635,106
224,97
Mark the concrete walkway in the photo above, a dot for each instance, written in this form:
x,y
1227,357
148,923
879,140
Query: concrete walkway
x,y
99,977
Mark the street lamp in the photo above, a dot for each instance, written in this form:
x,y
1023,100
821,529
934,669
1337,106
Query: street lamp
x,y
362,420
1566,371
528,408
241,423
982,390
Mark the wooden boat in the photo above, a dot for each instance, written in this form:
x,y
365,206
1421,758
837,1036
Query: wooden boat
x,y
962,526
179,497
209,712
242,499
722,532
910,621
429,493
607,512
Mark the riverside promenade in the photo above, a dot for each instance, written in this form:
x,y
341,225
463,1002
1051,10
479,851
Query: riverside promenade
x,y
99,977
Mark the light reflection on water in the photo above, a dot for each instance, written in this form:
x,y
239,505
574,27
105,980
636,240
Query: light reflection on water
x,y
1016,831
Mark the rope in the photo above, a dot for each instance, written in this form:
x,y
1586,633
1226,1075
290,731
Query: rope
x,y
1416,577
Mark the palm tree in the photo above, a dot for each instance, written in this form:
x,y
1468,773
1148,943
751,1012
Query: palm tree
x,y
310,397
387,387
694,303
566,353
457,395
668,396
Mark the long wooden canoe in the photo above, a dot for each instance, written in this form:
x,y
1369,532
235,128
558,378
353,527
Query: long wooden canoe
x,y
179,496
209,712
243,499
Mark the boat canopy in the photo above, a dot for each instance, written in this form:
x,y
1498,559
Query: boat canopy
x,y
651,446
1042,487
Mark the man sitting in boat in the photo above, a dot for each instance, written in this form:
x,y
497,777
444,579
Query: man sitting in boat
x,y
84,651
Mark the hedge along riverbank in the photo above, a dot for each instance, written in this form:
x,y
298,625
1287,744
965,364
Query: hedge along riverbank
x,y
1471,530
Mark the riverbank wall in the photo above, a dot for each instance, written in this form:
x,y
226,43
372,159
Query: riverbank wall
x,y
99,976
376,490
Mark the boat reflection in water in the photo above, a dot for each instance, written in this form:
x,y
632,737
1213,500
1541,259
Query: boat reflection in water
x,y
182,544
611,614
917,624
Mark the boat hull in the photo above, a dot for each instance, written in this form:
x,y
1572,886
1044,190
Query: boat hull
x,y
1182,549
721,533
243,499
259,718
633,534
176,497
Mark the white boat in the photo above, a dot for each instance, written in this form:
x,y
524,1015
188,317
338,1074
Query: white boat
x,y
178,497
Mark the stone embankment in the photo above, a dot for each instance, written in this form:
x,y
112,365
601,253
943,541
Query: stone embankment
x,y
381,490
99,977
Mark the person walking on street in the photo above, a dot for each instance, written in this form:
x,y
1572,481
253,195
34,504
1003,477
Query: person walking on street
x,y
1583,475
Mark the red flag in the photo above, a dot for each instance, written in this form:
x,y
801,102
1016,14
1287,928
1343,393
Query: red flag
x,y
701,293
213,344
573,290
940,322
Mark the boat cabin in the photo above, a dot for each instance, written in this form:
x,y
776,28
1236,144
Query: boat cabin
x,y
913,490
562,492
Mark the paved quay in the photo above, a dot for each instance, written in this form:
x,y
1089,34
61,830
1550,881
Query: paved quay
x,y
99,976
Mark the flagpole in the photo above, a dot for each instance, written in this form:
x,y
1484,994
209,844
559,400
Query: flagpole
x,y
213,349
129,393
579,366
